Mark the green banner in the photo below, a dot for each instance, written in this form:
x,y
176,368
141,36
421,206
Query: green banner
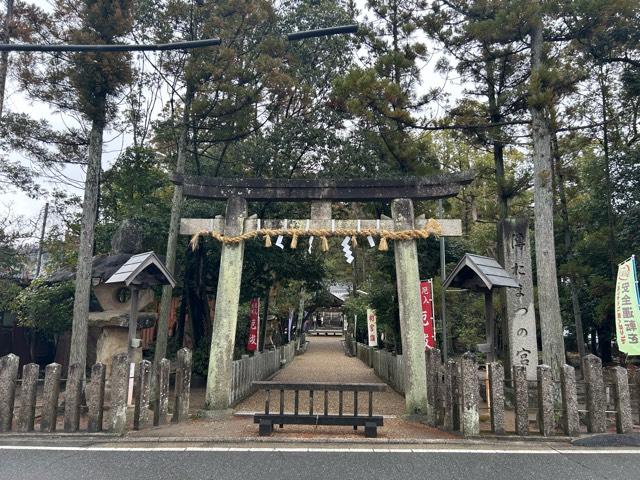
x,y
628,308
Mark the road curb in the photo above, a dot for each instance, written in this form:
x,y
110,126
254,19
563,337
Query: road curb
x,y
112,438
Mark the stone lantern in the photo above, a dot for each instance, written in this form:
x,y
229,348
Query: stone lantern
x,y
122,295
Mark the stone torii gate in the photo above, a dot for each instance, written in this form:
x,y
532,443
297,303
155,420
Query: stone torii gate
x,y
401,192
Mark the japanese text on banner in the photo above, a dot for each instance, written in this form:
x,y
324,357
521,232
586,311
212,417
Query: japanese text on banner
x,y
254,324
426,302
628,308
372,328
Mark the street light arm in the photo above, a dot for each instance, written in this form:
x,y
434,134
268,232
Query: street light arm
x,y
322,32
186,45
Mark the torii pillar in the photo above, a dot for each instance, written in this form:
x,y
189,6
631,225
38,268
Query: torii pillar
x,y
225,319
411,329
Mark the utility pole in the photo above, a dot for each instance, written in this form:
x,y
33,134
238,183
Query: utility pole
x,y
443,275
4,56
42,232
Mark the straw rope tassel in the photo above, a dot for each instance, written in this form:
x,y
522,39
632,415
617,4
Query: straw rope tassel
x,y
267,240
294,240
383,246
354,241
325,244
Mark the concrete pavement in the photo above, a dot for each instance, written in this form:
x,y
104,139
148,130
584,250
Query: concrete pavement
x,y
534,462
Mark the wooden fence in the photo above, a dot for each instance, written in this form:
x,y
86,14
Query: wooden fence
x,y
464,398
260,366
106,402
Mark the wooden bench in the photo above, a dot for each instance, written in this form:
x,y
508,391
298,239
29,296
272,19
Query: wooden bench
x,y
369,421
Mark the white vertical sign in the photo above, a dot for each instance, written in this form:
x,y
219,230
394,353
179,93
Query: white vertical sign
x,y
372,327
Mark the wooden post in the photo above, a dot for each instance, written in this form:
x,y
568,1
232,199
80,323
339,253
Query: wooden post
x,y
408,280
490,322
226,315
133,342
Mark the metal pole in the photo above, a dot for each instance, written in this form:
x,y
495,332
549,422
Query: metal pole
x,y
443,274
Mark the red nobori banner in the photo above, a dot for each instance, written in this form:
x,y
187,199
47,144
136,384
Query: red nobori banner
x,y
426,301
254,325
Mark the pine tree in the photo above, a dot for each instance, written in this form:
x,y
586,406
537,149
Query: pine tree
x,y
84,83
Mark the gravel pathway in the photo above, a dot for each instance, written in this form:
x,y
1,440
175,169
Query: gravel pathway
x,y
325,361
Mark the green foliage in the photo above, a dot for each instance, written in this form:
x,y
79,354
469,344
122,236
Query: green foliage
x,y
46,308
9,290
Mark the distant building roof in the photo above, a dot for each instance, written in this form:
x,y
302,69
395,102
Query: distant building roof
x,y
144,270
475,272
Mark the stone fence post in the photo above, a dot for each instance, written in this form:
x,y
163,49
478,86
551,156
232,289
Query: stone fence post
x,y
624,422
469,386
571,418
50,396
162,393
450,402
27,414
546,420
183,385
596,402
73,397
95,397
119,392
141,413
432,359
8,378
496,388
521,390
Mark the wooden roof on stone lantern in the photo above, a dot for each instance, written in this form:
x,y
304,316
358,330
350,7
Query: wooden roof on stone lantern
x,y
478,273
143,270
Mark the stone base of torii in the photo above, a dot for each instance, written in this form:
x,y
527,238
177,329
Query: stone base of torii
x,y
236,222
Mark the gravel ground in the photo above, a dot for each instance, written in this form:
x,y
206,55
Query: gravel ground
x,y
325,361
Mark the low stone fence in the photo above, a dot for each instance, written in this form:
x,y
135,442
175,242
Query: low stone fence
x,y
260,366
106,402
464,398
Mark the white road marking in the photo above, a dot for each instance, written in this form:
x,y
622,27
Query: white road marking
x,y
483,451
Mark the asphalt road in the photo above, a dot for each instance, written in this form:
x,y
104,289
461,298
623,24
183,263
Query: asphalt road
x,y
98,463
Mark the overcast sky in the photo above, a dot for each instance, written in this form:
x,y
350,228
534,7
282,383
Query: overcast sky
x,y
16,203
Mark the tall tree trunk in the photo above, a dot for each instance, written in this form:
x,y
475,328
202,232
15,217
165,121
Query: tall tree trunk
x,y
568,247
548,302
607,177
4,56
79,327
495,117
174,229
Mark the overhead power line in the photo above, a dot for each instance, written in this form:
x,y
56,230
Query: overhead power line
x,y
186,45
26,47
